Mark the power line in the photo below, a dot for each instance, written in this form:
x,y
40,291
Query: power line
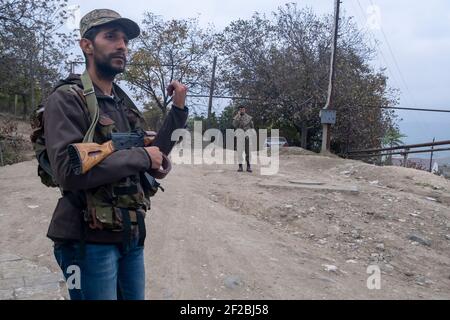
x,y
410,109
241,98
399,108
410,97
383,57
378,49
307,100
224,97
407,95
395,60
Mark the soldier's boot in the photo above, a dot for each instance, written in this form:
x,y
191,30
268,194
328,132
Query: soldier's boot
x,y
249,169
241,169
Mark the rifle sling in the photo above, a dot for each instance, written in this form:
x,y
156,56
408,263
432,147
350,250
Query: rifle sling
x,y
92,105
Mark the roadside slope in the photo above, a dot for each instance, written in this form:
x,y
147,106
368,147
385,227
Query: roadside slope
x,y
218,234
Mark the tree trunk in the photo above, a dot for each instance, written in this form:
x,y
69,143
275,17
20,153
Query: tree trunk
x,y
10,104
25,107
304,135
32,89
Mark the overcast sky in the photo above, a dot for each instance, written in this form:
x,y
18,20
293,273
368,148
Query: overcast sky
x,y
415,46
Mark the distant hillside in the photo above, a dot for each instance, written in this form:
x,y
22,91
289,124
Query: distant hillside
x,y
442,161
425,162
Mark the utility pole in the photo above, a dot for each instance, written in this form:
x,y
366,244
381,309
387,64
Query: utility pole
x,y
15,105
328,116
32,84
41,74
431,157
1,155
211,89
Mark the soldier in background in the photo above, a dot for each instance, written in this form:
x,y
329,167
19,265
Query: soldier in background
x,y
243,121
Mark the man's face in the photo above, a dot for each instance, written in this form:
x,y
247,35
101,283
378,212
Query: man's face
x,y
242,111
110,51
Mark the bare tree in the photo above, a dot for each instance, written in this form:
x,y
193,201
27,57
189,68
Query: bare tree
x,y
282,61
32,49
166,51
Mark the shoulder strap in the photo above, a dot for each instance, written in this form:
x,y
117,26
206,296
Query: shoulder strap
x,y
92,105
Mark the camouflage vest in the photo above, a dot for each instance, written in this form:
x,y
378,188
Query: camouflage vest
x,y
117,205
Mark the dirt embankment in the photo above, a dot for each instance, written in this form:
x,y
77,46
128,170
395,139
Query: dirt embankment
x,y
311,231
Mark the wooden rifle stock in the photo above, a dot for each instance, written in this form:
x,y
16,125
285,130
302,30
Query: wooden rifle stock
x,y
85,156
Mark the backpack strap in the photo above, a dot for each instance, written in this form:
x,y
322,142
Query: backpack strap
x,y
92,105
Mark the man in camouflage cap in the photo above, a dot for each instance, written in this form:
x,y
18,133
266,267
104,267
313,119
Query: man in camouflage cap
x,y
108,53
100,17
110,260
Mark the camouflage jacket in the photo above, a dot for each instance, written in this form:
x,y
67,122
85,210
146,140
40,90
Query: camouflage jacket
x,y
66,121
244,122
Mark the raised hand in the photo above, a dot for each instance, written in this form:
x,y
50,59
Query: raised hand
x,y
179,91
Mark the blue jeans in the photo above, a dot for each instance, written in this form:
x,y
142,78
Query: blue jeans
x,y
105,272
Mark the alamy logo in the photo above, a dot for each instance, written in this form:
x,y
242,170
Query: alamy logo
x,y
191,149
74,277
374,280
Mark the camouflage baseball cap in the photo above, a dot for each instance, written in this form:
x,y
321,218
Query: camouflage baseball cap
x,y
100,17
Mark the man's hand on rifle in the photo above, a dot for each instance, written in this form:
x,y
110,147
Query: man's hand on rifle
x,y
156,156
178,90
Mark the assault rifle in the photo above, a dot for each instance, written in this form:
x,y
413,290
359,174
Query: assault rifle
x,y
85,156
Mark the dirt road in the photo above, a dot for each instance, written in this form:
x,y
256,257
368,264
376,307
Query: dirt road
x,y
310,232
